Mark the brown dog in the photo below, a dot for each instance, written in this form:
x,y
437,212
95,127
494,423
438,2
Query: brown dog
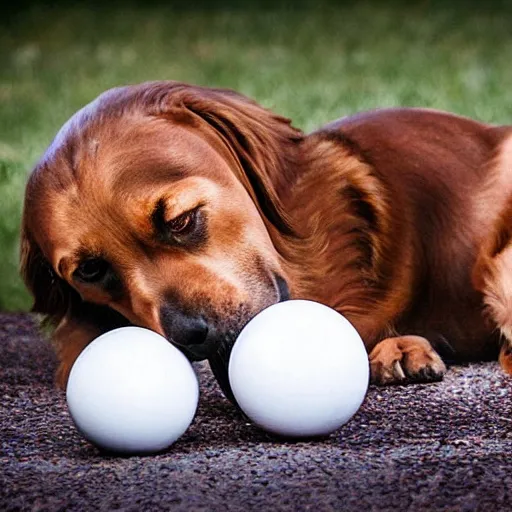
x,y
187,210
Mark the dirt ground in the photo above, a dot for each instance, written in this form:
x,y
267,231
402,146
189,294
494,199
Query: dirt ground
x,y
444,446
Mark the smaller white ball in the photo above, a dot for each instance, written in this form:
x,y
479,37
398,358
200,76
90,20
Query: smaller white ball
x,y
131,391
299,369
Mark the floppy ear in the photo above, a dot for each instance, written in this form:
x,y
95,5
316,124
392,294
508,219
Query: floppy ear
x,y
53,297
265,144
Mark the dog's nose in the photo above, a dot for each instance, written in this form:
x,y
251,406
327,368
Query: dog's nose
x,y
183,329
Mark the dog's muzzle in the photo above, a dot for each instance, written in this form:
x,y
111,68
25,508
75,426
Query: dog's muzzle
x,y
190,333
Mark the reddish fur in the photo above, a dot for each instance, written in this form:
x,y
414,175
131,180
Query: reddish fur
x,y
397,218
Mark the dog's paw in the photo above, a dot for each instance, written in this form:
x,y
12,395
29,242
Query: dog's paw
x,y
405,359
506,357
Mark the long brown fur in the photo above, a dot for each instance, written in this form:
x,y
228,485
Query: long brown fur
x,y
397,218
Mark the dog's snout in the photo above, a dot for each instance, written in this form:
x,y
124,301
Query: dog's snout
x,y
184,329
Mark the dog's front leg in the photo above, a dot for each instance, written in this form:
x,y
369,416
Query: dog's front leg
x,y
70,338
405,359
76,330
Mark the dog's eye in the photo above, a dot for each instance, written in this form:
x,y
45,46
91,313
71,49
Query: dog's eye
x,y
183,224
91,270
187,230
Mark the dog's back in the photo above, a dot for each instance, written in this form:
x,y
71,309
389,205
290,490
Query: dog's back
x,y
449,181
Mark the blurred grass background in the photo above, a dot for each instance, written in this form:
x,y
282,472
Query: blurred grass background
x,y
311,61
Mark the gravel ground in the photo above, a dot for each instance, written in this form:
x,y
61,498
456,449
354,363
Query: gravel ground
x,y
444,446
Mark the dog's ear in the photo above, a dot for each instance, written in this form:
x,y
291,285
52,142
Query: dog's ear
x,y
264,143
53,297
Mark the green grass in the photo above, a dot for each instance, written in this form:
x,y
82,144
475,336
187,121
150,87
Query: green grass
x,y
312,63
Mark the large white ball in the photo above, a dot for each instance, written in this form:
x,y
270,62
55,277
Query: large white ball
x,y
299,369
131,391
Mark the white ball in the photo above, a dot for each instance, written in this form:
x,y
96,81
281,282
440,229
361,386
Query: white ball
x,y
299,369
131,391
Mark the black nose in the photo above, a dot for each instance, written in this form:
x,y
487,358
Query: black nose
x,y
183,329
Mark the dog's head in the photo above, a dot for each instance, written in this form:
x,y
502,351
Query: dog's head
x,y
162,202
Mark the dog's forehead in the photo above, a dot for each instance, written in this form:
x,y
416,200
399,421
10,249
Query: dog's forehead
x,y
158,154
88,184
143,150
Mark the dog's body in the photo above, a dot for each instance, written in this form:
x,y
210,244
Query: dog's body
x,y
188,210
